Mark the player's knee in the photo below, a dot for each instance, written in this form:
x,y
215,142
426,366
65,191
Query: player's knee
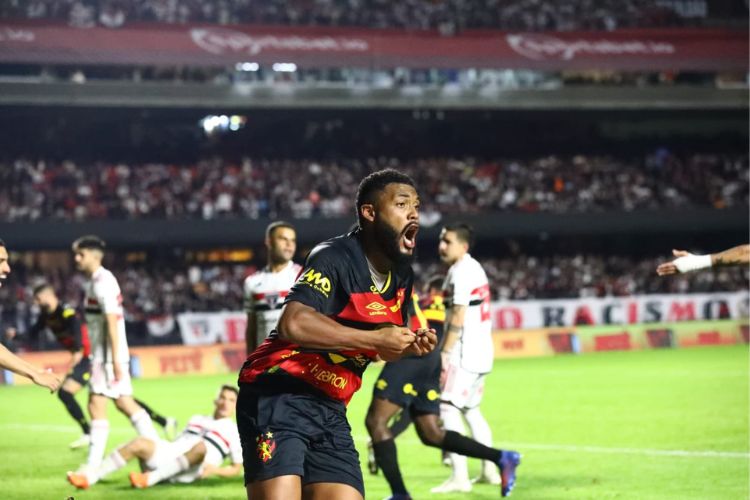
x,y
430,434
375,422
139,445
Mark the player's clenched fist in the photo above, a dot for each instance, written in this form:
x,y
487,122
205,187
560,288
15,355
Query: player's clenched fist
x,y
394,340
424,343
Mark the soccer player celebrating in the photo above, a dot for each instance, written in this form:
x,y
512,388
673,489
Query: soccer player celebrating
x,y
197,453
266,289
110,375
467,357
686,262
346,309
10,361
62,320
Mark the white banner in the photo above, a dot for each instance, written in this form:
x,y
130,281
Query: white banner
x,y
212,328
619,310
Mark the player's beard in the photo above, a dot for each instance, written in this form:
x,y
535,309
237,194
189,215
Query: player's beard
x,y
388,239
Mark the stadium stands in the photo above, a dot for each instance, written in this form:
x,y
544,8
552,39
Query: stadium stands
x,y
253,188
446,16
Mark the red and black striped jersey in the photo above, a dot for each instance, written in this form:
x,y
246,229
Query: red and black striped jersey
x,y
64,323
336,282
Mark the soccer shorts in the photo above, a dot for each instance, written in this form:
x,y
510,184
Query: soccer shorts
x,y
411,383
103,380
463,389
81,372
296,434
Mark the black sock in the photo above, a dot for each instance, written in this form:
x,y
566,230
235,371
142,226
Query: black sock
x,y
69,400
456,443
151,413
385,456
400,425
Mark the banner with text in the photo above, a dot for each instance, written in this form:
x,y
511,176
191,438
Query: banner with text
x,y
212,328
520,314
211,45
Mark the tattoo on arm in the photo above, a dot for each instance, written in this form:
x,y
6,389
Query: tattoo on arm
x,y
733,256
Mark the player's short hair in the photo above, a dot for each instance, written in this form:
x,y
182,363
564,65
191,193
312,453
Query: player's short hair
x,y
435,281
90,242
375,183
272,227
231,388
41,287
463,231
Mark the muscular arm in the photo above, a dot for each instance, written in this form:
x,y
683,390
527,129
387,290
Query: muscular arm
x,y
734,256
251,333
453,328
686,262
303,325
11,362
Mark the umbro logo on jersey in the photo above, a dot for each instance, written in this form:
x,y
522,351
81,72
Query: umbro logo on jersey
x,y
376,309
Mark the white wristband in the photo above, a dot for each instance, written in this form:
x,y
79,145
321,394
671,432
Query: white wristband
x,y
692,263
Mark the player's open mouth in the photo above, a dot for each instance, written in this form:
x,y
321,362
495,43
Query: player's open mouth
x,y
409,236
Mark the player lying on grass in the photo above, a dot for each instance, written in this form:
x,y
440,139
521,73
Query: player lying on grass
x,y
196,454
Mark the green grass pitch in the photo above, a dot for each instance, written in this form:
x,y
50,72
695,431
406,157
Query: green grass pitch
x,y
666,424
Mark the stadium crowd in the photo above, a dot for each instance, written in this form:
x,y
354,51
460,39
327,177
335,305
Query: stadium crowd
x,y
448,16
156,290
253,188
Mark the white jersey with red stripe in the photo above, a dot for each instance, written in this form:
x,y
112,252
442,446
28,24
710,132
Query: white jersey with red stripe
x,y
265,292
103,296
220,435
466,285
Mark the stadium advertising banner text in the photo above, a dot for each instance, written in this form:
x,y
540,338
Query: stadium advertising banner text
x,y
633,49
532,314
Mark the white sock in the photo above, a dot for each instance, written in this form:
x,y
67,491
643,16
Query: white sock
x,y
99,434
168,469
481,432
452,421
141,420
110,464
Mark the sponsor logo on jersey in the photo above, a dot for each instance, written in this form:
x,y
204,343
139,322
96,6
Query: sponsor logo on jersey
x,y
328,377
316,280
376,309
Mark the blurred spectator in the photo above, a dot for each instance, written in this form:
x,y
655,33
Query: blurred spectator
x,y
446,16
252,188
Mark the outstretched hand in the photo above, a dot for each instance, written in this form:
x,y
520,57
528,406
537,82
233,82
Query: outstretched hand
x,y
46,379
674,266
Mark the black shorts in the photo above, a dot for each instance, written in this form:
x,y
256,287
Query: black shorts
x,y
296,434
81,372
411,383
